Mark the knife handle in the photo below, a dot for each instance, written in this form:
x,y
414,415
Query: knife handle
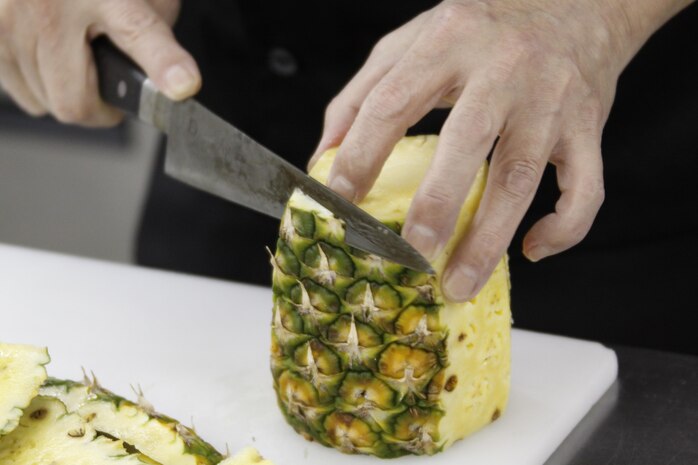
x,y
120,79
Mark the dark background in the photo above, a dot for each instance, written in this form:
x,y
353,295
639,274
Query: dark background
x,y
271,67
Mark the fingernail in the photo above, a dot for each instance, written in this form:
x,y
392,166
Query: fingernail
x,y
180,82
460,283
343,187
537,253
424,239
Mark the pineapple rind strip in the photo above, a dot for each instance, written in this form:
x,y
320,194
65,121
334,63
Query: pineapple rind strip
x,y
49,435
158,436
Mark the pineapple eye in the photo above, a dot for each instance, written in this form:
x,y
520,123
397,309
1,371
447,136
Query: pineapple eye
x,y
39,414
76,433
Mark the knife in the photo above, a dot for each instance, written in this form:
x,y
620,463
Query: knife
x,y
210,154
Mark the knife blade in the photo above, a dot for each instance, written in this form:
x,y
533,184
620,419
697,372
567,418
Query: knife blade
x,y
210,154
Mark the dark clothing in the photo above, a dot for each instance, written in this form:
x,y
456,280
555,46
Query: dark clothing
x,y
271,67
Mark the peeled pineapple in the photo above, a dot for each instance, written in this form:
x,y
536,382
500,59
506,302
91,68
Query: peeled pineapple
x,y
22,370
367,356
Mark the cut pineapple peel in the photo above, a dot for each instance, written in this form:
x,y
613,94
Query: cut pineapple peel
x,y
48,434
70,423
137,423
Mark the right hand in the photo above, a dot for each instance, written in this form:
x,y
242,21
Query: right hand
x,y
46,62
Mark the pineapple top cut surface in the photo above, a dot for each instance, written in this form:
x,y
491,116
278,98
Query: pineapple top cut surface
x,y
137,423
48,435
22,370
367,356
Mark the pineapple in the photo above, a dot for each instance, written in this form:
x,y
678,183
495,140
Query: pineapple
x,y
49,435
367,356
22,370
247,456
159,437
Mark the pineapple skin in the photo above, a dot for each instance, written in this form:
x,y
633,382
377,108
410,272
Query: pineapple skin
x,y
367,356
158,436
48,434
22,371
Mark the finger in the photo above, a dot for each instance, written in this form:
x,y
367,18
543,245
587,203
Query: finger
x,y
466,138
402,97
167,9
342,110
139,32
580,178
69,76
517,166
12,81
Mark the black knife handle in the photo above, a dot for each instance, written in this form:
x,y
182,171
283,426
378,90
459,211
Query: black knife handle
x,y
120,79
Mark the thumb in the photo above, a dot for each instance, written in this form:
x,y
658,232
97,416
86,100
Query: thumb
x,y
143,35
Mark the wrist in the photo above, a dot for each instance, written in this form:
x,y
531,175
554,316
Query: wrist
x,y
632,22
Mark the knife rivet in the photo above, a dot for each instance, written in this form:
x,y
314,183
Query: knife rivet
x,y
121,89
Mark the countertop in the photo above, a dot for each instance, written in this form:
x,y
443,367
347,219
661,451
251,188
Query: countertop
x,y
648,417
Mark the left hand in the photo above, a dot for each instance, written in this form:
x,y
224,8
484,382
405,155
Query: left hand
x,y
540,74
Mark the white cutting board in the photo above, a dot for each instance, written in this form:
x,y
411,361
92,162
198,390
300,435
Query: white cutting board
x,y
199,349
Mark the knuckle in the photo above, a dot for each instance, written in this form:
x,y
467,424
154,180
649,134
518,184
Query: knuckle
x,y
503,70
353,162
600,196
47,14
332,107
338,106
449,16
449,20
435,197
489,243
518,178
383,47
545,104
131,22
523,46
35,111
572,234
561,76
594,192
71,112
388,101
477,121
591,115
567,72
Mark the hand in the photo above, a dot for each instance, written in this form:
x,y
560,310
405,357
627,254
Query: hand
x,y
46,63
538,74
